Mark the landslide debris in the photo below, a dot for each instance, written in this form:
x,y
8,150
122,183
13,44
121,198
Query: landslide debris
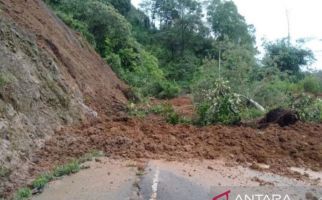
x,y
298,145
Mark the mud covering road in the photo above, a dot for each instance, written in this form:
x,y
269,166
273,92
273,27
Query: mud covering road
x,y
151,138
160,180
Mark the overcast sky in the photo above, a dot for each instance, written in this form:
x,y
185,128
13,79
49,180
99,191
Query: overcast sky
x,y
270,21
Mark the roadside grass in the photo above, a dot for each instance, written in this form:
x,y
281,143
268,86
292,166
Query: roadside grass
x,y
68,169
23,193
42,180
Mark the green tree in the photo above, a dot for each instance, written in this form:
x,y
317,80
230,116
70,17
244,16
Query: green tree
x,y
123,6
287,57
181,38
225,21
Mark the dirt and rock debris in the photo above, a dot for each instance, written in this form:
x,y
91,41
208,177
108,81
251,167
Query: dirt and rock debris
x,y
297,145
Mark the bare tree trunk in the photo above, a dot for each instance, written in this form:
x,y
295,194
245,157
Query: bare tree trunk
x,y
256,104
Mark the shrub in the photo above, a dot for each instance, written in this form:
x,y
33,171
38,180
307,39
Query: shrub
x,y
311,85
309,108
77,25
114,61
41,181
23,193
168,90
273,93
218,104
67,169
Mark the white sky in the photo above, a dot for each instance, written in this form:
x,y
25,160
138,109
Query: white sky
x,y
270,21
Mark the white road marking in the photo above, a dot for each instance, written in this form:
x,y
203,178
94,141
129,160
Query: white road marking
x,y
155,185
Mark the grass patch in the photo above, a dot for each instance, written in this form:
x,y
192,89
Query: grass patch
x,y
70,168
22,194
42,180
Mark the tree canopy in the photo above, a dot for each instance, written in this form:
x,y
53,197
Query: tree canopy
x,y
171,47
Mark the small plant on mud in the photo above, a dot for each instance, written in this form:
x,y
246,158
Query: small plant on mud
x,y
40,182
22,194
136,111
67,169
218,104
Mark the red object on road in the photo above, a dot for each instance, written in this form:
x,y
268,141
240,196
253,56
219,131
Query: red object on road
x,y
225,194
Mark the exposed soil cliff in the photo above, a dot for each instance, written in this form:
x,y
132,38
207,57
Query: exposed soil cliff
x,y
49,77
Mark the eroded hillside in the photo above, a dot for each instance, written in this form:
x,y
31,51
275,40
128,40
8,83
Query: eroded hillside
x,y
49,77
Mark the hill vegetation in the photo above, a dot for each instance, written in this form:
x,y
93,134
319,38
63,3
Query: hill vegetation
x,y
173,47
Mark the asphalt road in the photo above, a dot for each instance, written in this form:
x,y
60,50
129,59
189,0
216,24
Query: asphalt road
x,y
191,180
168,186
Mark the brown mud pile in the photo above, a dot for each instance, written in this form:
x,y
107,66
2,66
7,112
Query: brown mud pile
x,y
298,145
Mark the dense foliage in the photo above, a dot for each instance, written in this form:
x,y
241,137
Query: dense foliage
x,y
111,34
201,47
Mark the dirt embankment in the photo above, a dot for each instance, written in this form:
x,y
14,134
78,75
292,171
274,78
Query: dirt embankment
x,y
82,68
49,77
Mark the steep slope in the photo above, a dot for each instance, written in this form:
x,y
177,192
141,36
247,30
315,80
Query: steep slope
x,y
49,77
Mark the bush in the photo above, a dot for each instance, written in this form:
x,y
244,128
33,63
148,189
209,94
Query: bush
x,y
67,169
114,61
165,90
218,105
274,93
309,108
23,193
41,181
78,26
311,85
